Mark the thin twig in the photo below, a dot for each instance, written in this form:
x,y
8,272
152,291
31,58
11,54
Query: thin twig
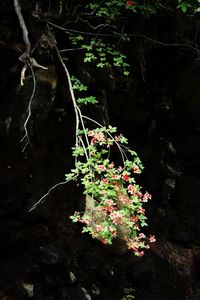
x,y
49,191
181,45
72,49
81,32
116,35
72,96
22,77
95,27
26,135
83,126
83,145
28,63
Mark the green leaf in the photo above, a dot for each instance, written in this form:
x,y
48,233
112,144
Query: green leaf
x,y
86,100
184,8
126,73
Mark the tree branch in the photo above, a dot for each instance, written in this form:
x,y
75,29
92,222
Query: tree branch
x,y
47,194
23,26
117,35
26,135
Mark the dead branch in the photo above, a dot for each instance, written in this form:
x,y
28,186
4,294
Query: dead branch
x,y
23,26
29,63
47,194
26,135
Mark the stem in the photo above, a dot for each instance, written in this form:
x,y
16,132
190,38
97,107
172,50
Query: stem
x,y
78,114
23,26
49,191
26,135
76,109
83,145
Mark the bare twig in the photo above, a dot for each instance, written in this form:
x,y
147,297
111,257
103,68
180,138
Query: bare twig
x,y
98,26
72,49
23,26
81,32
72,96
47,194
26,135
181,45
117,35
28,63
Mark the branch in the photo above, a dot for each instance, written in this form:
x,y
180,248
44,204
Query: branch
x,y
26,136
194,49
82,32
25,57
23,26
117,35
28,63
47,194
72,95
72,49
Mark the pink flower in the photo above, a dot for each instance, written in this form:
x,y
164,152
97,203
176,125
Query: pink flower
x,y
110,206
116,217
98,137
141,210
110,202
104,180
91,133
120,169
115,176
135,219
146,197
152,239
124,200
141,253
102,211
99,228
101,167
139,194
136,169
104,241
77,213
86,220
125,177
113,231
133,245
142,235
118,137
131,189
111,166
137,227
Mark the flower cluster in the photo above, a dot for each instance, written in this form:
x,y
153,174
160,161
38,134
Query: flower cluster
x,y
114,202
